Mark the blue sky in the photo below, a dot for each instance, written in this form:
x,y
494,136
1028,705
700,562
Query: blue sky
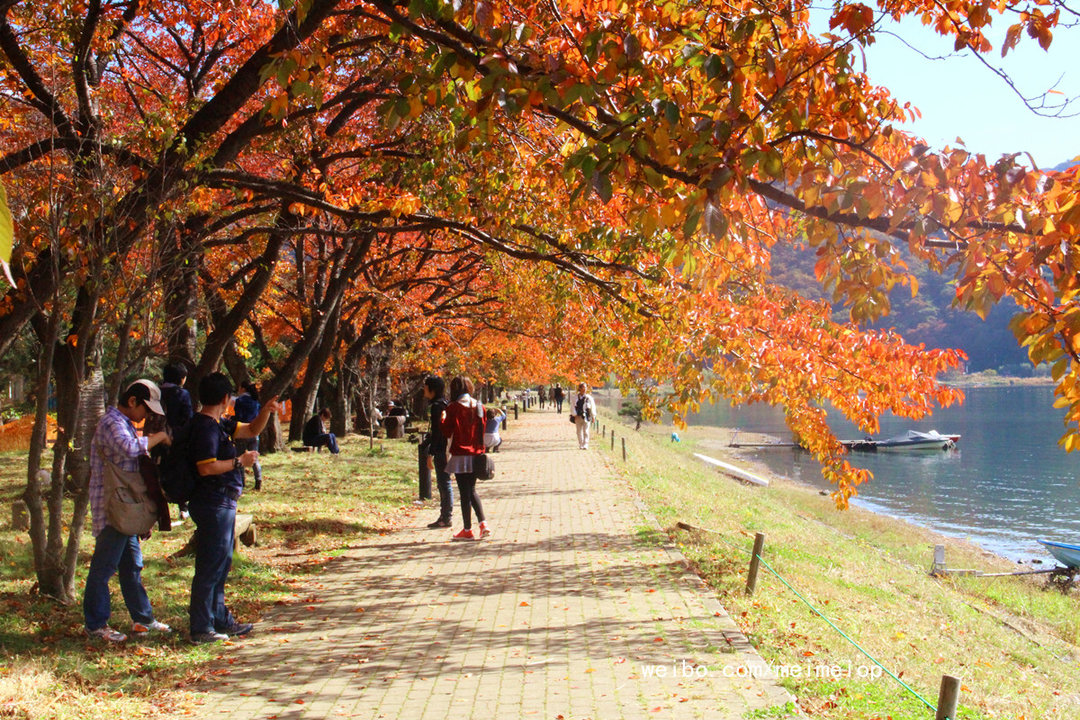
x,y
959,96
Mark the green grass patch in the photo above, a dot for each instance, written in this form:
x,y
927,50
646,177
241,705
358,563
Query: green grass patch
x,y
312,507
1013,643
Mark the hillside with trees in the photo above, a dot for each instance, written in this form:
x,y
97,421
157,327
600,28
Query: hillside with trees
x,y
929,318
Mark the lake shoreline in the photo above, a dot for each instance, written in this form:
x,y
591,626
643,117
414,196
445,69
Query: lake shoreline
x,y
886,495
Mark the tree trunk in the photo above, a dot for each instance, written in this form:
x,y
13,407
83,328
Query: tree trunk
x,y
91,409
38,438
235,365
307,395
75,420
341,403
181,302
271,440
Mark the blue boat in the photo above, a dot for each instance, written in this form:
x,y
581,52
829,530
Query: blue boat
x,y
1067,555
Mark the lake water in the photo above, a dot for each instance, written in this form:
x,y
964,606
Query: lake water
x,y
1007,483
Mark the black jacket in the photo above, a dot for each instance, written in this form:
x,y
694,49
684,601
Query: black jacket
x,y
436,441
313,430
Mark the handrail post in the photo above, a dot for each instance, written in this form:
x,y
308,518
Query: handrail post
x,y
755,562
948,696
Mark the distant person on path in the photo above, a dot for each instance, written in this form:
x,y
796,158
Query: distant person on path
x,y
542,394
176,401
315,434
584,412
219,485
493,418
559,396
435,446
463,426
116,441
246,408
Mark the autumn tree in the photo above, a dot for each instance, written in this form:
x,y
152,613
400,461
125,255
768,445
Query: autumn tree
x,y
637,161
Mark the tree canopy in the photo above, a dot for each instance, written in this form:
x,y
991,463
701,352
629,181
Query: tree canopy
x,y
568,187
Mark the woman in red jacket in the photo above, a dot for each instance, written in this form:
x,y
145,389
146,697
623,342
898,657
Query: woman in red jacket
x,y
463,426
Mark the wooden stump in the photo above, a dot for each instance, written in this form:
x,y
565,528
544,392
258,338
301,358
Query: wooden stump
x,y
395,427
243,530
20,517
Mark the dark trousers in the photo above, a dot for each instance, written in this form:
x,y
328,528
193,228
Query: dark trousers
x,y
213,560
446,489
326,440
466,485
558,404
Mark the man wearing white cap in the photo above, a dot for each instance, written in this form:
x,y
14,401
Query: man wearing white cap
x,y
116,441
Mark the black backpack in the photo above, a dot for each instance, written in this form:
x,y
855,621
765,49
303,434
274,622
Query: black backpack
x,y
581,410
178,474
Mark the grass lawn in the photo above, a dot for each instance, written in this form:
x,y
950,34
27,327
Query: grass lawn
x,y
311,507
1015,645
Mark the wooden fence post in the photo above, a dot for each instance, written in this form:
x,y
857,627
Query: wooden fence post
x,y
624,449
947,698
755,562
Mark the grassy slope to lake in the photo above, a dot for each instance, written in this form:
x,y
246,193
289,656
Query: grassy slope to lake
x,y
311,507
1015,645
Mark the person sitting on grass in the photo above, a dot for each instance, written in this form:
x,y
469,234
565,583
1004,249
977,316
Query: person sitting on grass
x,y
493,418
315,434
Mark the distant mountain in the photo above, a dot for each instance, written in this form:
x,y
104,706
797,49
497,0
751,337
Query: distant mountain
x,y
927,318
1067,164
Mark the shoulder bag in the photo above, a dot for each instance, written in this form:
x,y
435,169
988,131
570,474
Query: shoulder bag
x,y
128,507
483,465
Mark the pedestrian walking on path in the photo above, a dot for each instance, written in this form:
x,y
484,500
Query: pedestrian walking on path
x,y
584,412
463,426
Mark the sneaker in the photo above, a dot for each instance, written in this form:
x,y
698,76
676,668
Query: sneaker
x,y
208,637
466,534
440,523
238,629
107,634
485,531
153,626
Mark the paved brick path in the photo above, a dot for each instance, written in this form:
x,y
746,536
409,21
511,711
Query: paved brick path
x,y
556,616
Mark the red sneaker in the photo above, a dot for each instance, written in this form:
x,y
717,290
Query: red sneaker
x,y
466,534
484,530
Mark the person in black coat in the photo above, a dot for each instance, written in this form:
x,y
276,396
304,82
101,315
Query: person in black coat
x,y
246,408
176,401
315,434
435,447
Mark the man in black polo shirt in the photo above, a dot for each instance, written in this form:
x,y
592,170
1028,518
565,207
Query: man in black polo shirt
x,y
213,505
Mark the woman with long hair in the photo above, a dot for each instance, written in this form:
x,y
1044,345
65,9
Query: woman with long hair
x,y
463,426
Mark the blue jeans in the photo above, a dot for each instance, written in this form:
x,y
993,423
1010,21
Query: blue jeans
x,y
446,489
326,440
213,559
115,553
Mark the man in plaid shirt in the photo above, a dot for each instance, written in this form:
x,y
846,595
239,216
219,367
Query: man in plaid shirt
x,y
116,439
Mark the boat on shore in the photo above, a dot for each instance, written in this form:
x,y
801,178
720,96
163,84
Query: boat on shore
x,y
911,440
1066,554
